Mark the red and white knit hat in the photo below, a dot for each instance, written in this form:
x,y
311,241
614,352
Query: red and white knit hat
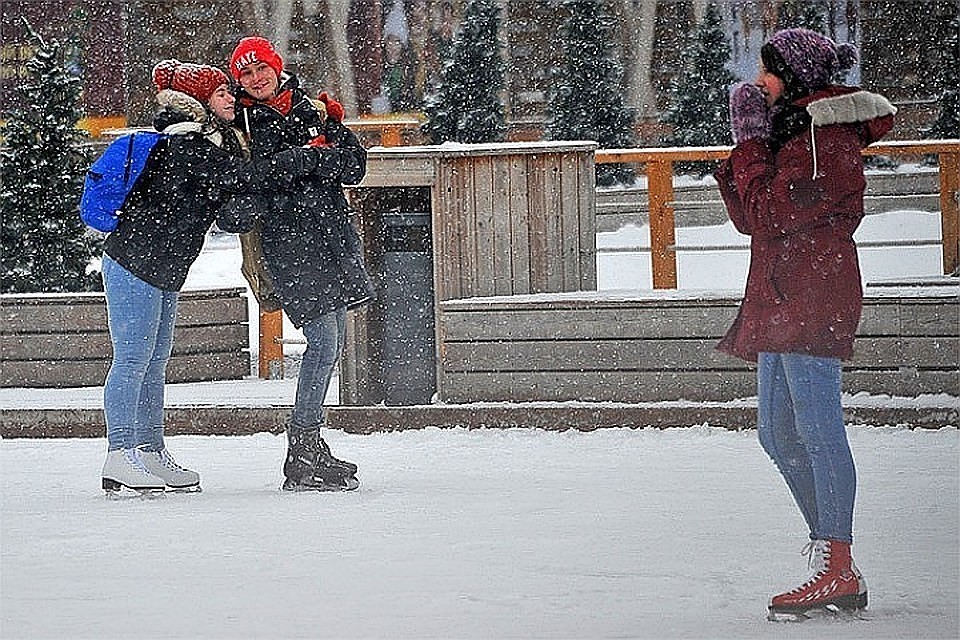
x,y
196,80
254,49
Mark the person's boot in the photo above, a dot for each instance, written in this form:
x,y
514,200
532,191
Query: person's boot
x,y
309,466
836,584
124,468
161,464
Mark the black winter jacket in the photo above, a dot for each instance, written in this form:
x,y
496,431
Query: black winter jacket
x,y
191,177
311,248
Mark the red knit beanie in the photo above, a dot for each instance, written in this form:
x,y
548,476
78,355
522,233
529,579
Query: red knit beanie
x,y
254,49
196,80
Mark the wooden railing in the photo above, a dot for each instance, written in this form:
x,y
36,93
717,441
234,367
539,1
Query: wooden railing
x,y
658,163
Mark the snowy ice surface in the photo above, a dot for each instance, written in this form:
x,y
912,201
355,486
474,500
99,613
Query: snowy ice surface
x,y
618,533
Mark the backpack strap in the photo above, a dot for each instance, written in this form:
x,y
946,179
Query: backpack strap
x,y
129,161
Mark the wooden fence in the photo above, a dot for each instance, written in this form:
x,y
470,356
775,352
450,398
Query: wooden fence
x,y
62,340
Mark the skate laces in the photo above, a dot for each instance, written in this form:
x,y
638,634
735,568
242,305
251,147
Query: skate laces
x,y
167,460
818,556
133,457
164,458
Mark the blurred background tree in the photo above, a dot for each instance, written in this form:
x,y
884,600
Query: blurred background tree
x,y
44,247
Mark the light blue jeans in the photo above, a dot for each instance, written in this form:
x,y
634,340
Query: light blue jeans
x,y
141,320
325,337
801,428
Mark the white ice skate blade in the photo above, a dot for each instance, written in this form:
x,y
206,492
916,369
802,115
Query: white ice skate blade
x,y
130,494
192,489
829,612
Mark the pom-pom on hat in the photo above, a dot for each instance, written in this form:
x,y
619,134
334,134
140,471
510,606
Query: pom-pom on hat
x,y
813,58
196,80
254,49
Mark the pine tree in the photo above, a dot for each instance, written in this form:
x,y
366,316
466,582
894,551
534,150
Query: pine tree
x,y
802,13
947,76
466,106
586,100
699,94
44,246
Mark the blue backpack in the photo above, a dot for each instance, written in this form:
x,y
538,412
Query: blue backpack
x,y
113,176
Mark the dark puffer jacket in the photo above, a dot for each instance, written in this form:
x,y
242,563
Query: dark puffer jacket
x,y
311,248
801,206
193,175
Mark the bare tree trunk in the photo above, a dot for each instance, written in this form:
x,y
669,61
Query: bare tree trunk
x,y
337,13
270,18
639,20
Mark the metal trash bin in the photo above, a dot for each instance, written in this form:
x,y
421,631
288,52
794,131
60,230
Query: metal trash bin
x,y
408,364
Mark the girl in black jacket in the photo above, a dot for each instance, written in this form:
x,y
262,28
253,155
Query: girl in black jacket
x,y
195,173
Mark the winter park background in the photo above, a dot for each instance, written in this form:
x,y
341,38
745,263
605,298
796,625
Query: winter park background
x,y
519,533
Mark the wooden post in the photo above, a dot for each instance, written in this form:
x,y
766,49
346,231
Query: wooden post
x,y
390,135
950,210
660,192
271,349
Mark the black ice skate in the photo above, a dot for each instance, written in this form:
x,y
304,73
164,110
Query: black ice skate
x,y
309,466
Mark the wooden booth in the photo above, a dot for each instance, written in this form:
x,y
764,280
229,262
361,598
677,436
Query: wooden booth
x,y
460,221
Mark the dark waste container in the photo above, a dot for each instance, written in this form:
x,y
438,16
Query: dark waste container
x,y
408,363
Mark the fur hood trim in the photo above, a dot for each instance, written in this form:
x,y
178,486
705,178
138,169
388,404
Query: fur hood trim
x,y
859,106
184,103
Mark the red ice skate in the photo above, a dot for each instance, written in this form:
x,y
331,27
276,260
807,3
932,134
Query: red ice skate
x,y
836,585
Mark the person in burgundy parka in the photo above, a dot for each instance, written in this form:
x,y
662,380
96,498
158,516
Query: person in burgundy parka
x,y
794,183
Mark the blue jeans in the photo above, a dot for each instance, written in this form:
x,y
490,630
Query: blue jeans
x,y
801,428
325,336
141,320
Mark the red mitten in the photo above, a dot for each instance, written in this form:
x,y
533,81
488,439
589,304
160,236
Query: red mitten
x,y
319,141
334,108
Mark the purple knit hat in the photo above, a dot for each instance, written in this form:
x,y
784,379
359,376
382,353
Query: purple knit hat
x,y
814,58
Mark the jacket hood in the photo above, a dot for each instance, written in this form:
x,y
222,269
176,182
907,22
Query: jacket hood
x,y
839,105
846,108
183,104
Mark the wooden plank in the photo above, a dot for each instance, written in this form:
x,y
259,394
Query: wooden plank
x,y
931,352
211,311
602,386
469,278
587,356
600,324
538,211
89,313
665,386
675,354
399,171
569,213
446,252
483,225
553,214
588,222
91,373
519,203
97,345
929,317
501,253
906,383
82,315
